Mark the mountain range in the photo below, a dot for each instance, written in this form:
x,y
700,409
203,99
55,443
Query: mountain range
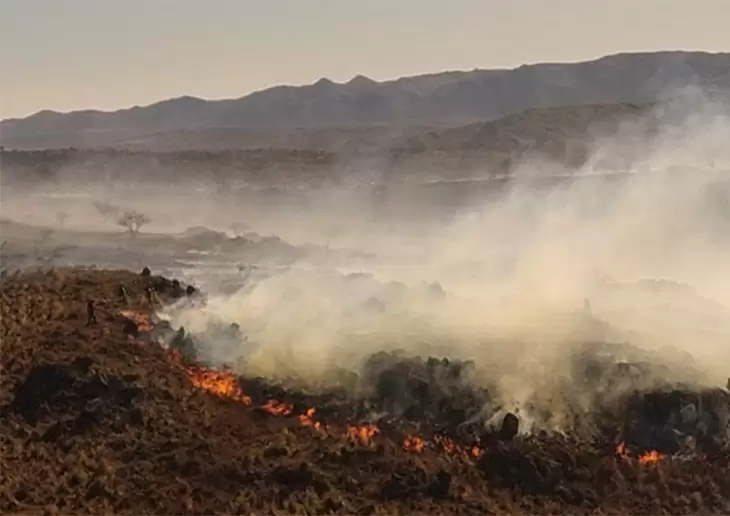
x,y
363,108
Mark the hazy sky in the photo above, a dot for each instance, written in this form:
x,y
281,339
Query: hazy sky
x,y
107,54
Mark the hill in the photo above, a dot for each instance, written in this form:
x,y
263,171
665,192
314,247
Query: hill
x,y
564,135
363,106
97,417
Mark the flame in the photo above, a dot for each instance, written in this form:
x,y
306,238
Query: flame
x,y
417,444
445,444
220,383
451,447
143,320
175,355
650,457
278,408
226,385
414,443
306,420
363,434
646,458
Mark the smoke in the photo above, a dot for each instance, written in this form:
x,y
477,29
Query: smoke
x,y
632,246
633,249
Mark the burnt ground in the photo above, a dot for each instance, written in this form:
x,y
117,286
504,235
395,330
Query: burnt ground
x,y
95,420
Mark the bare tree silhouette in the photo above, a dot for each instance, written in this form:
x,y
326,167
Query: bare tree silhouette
x,y
133,221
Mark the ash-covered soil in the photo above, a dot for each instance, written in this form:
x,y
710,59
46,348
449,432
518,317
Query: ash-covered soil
x,y
99,418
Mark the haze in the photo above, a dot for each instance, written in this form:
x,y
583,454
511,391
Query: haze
x,y
87,54
516,267
329,265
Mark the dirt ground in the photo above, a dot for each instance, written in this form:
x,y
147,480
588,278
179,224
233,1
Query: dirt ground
x,y
95,419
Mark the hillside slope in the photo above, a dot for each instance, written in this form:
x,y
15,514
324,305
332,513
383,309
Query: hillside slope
x,y
437,100
97,418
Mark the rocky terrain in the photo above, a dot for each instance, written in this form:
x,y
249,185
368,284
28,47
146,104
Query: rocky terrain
x,y
116,413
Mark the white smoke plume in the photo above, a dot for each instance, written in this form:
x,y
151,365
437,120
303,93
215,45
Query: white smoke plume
x,y
637,250
633,249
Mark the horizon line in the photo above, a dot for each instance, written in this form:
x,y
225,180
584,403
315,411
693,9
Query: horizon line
x,y
377,81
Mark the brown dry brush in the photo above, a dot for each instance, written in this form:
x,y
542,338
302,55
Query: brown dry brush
x,y
95,420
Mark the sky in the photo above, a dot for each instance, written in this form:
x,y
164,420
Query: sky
x,y
103,54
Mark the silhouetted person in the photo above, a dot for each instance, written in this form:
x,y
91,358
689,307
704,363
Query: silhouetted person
x,y
123,294
151,296
90,312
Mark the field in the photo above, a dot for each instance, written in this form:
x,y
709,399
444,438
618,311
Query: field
x,y
523,315
101,418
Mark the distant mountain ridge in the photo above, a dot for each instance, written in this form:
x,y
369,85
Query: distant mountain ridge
x,y
440,100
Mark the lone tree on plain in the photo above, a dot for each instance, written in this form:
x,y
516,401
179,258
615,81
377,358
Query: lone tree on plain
x,y
133,221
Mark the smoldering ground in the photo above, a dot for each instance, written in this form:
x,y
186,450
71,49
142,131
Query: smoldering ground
x,y
635,251
631,247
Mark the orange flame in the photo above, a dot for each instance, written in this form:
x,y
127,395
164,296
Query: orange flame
x,y
278,408
416,444
226,385
220,383
306,420
413,443
143,320
448,445
650,457
646,458
363,434
451,447
175,355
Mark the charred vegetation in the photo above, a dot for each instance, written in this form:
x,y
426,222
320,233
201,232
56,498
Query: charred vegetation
x,y
124,416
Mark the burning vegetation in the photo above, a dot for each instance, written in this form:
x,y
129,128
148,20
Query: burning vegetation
x,y
123,415
406,386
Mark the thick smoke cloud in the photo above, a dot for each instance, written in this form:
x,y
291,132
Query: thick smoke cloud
x,y
634,251
631,247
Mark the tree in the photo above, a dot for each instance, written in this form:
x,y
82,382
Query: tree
x,y
133,221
